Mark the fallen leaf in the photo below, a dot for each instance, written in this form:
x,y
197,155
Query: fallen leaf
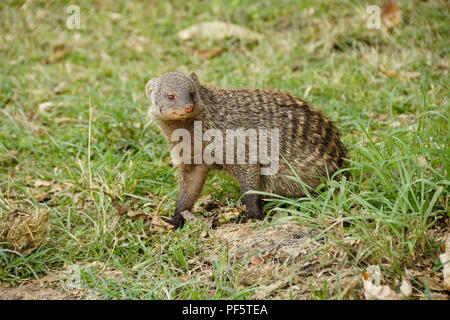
x,y
135,45
114,222
389,73
48,107
64,119
115,15
60,87
267,256
255,260
202,202
136,213
218,30
421,161
41,196
208,53
59,52
391,15
56,189
435,284
42,183
263,291
121,208
411,75
239,255
189,216
231,214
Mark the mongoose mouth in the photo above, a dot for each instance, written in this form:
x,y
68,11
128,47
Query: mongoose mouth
x,y
180,115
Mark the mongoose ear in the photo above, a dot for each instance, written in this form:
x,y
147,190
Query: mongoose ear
x,y
194,77
150,86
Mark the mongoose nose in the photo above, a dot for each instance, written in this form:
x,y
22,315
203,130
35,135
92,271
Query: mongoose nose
x,y
189,108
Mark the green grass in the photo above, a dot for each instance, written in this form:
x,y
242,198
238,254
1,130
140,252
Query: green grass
x,y
396,129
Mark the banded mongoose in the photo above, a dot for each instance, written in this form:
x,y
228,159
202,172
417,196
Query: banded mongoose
x,y
308,142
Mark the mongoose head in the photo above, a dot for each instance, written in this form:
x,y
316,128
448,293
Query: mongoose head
x,y
174,96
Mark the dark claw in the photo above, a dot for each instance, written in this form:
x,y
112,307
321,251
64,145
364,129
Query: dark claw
x,y
176,222
242,219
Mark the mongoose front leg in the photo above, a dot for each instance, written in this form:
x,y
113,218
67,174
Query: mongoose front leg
x,y
192,179
249,178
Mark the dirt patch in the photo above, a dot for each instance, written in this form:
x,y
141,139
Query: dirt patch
x,y
289,262
34,291
61,285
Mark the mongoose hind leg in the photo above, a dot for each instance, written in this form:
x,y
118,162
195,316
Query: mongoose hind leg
x,y
249,178
192,179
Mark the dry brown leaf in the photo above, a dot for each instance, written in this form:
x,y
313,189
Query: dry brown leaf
x,y
41,196
115,15
255,260
389,73
264,291
208,53
421,161
42,183
193,218
114,222
60,87
202,203
135,45
392,73
59,52
391,15
218,30
56,190
239,255
411,75
231,214
267,256
48,107
435,284
136,213
121,208
159,225
64,119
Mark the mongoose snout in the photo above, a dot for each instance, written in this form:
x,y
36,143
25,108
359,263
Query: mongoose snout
x,y
303,139
189,108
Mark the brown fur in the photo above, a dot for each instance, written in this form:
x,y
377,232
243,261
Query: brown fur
x,y
309,141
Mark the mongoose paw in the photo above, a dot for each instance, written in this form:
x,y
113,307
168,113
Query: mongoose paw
x,y
242,219
246,217
175,221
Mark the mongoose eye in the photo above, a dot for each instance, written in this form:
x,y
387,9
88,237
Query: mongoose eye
x,y
171,97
